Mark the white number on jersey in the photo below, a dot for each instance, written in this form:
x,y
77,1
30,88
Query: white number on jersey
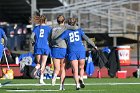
x,y
74,36
41,33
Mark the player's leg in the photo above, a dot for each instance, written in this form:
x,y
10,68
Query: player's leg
x,y
56,70
81,67
74,64
37,67
43,65
62,73
58,55
38,58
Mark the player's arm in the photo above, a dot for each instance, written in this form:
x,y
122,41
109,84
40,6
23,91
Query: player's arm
x,y
57,41
50,37
60,38
32,37
89,41
33,34
5,40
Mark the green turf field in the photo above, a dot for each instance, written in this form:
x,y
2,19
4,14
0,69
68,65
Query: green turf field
x,y
93,85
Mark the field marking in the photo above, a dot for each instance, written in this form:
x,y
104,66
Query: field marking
x,y
70,84
29,90
44,90
91,90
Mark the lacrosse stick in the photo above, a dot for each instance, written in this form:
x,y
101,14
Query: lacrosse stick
x,y
6,59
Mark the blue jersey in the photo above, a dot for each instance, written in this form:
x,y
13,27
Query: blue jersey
x,y
42,33
74,40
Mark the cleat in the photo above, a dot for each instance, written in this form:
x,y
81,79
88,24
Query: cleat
x,y
82,85
78,87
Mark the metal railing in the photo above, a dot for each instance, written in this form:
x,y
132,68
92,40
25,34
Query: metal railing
x,y
99,15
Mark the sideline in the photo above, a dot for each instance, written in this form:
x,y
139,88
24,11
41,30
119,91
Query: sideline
x,y
70,84
45,90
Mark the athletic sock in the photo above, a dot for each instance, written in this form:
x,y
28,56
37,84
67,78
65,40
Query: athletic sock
x,y
54,79
61,87
77,86
54,76
41,77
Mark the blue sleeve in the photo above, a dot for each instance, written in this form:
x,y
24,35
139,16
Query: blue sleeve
x,y
82,32
63,35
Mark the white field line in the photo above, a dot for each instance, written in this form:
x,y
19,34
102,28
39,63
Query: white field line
x,y
29,90
71,84
44,90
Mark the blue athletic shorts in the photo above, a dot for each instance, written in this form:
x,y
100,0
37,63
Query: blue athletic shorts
x,y
1,50
40,51
76,55
58,52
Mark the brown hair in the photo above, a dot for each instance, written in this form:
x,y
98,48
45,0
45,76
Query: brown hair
x,y
43,19
60,19
72,21
39,19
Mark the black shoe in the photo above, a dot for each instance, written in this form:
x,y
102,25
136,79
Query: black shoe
x,y
77,88
82,85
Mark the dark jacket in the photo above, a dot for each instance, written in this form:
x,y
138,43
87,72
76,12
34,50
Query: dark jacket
x,y
113,62
99,58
